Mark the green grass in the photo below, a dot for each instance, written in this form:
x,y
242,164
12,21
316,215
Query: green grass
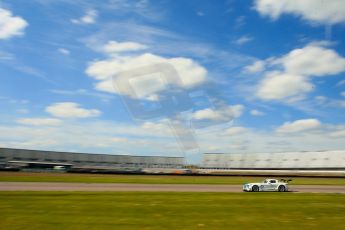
x,y
159,210
152,179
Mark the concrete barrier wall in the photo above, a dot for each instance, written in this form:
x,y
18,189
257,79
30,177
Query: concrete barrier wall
x,y
86,159
284,160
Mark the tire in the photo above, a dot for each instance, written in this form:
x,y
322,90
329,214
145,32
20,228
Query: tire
x,y
255,188
281,188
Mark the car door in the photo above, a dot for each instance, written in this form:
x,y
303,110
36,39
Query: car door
x,y
265,186
272,185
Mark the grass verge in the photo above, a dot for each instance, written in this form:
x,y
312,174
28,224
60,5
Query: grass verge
x,y
167,210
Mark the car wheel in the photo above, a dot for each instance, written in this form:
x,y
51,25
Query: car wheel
x,y
281,188
255,188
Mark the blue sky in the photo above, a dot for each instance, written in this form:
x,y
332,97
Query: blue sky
x,y
250,76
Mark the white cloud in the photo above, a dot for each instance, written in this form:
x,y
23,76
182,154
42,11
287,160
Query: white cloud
x,y
118,47
321,99
118,139
200,13
337,134
22,111
255,112
299,126
277,86
269,141
312,60
294,70
161,127
6,56
109,137
256,67
156,138
189,71
90,136
39,121
343,94
143,8
83,92
89,18
330,102
317,11
222,114
233,131
340,103
243,40
208,114
71,110
240,21
341,83
64,51
11,25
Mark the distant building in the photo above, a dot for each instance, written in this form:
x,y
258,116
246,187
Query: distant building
x,y
331,160
24,158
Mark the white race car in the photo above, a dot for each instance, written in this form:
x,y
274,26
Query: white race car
x,y
267,185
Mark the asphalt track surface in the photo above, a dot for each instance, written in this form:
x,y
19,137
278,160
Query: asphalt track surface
x,y
48,186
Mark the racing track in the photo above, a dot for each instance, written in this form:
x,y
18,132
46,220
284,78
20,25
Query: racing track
x,y
48,186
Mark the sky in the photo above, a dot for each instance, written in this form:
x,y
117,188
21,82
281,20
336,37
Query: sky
x,y
172,78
